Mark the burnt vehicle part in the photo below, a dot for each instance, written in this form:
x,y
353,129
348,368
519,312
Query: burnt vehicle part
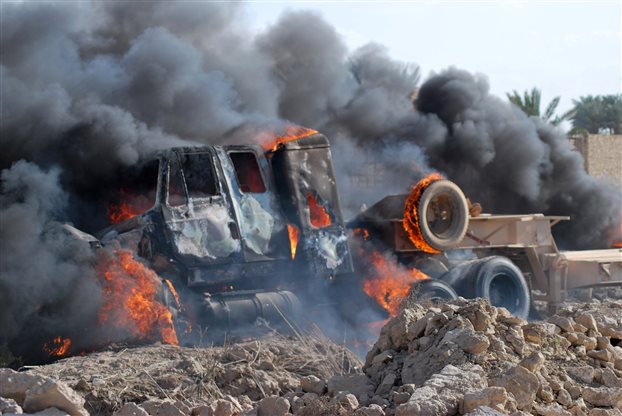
x,y
218,225
432,289
307,187
443,215
495,278
234,309
525,241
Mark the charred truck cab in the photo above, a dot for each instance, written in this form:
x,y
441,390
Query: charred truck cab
x,y
241,228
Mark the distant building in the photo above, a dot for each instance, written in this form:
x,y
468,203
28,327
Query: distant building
x,y
602,154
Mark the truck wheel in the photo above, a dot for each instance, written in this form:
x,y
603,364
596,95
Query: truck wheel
x,y
432,289
443,215
494,278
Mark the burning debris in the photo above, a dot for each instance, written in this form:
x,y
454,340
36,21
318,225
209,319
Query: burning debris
x,y
411,216
131,303
58,347
390,283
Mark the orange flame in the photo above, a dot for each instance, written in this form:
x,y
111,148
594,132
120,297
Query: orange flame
x,y
411,218
274,141
361,233
130,206
57,347
173,291
617,240
317,213
294,235
122,212
130,291
390,283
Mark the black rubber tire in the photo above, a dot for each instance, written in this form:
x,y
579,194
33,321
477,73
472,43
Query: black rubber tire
x,y
496,279
447,235
432,289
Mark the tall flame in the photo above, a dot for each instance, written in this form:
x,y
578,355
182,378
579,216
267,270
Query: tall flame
x,y
390,283
130,299
57,347
317,213
411,217
173,291
294,235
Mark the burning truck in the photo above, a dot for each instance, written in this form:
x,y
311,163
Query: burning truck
x,y
238,233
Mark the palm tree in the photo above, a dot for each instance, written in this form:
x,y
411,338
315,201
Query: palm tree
x,y
530,104
593,113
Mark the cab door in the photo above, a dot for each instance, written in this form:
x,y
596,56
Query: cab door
x,y
263,229
199,218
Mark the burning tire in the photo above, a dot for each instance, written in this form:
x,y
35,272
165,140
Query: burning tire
x,y
432,289
436,214
443,215
494,278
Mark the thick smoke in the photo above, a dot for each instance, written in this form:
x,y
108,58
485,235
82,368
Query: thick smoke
x,y
90,89
46,280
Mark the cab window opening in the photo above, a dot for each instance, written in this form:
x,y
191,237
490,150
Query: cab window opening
x,y
247,172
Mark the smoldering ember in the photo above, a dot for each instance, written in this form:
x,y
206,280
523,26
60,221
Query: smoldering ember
x,y
197,219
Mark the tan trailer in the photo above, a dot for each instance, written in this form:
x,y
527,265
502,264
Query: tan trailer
x,y
528,242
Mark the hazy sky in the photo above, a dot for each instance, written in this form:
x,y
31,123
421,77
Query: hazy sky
x,y
565,48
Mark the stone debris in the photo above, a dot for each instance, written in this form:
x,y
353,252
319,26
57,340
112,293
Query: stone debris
x,y
456,358
35,393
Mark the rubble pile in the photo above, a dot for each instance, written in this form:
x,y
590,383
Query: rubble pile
x,y
461,357
161,378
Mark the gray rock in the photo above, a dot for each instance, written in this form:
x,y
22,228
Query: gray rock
x,y
273,406
587,320
468,340
400,397
550,410
489,396
131,409
533,362
386,385
371,410
312,384
50,411
610,379
604,412
602,355
157,407
603,396
9,406
347,401
358,384
602,343
485,411
53,393
222,407
443,392
383,357
563,398
590,343
522,383
562,322
13,385
584,374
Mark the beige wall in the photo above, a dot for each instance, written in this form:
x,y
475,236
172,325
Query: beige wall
x,y
602,155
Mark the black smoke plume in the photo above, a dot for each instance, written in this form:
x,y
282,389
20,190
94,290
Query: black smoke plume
x,y
90,89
